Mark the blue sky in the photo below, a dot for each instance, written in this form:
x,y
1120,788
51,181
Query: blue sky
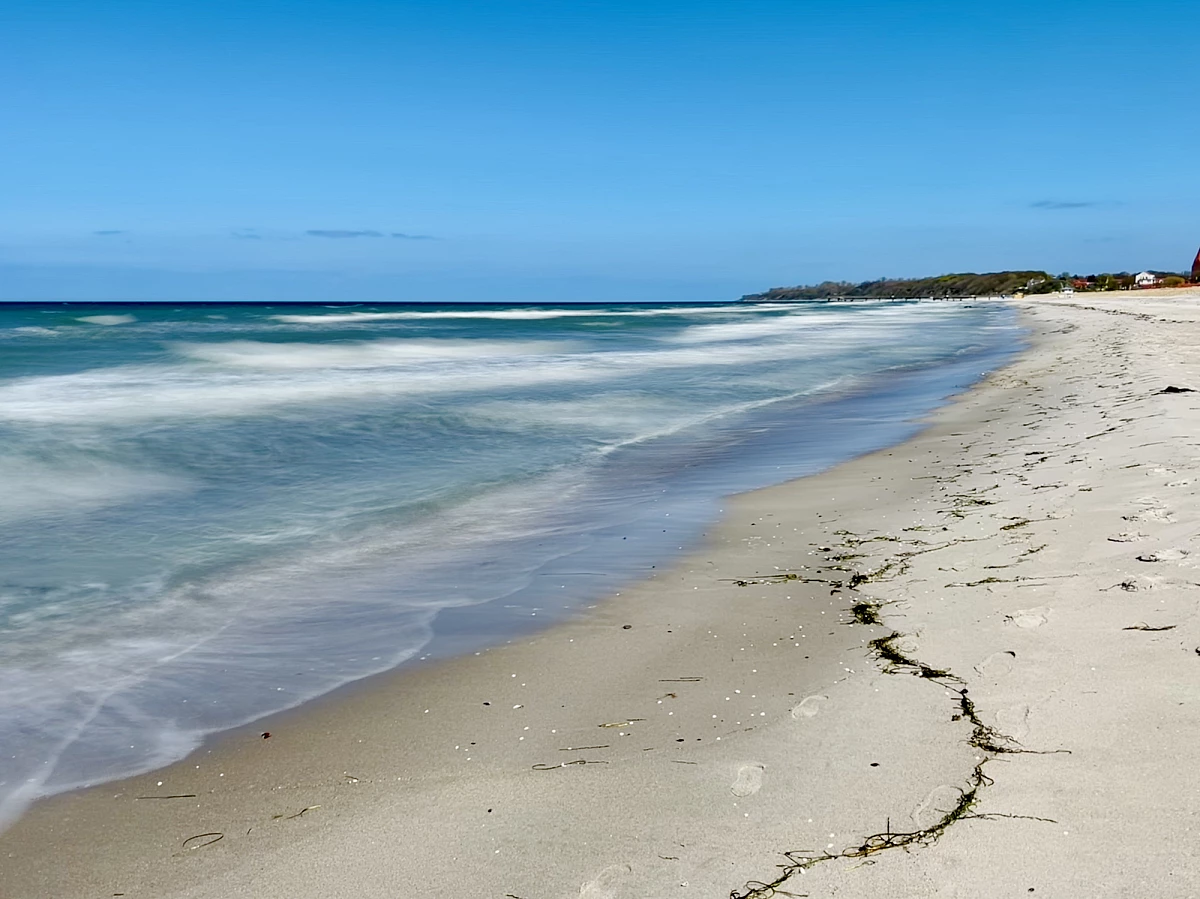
x,y
314,150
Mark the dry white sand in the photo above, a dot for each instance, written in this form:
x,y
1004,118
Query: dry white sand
x,y
1037,546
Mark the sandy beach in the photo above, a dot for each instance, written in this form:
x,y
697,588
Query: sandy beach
x,y
965,666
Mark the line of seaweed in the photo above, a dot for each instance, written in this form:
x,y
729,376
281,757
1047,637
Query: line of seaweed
x,y
799,860
983,737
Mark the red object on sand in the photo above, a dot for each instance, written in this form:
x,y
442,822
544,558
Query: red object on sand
x,y
1196,267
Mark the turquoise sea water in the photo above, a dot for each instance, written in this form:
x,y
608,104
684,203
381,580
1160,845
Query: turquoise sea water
x,y
209,513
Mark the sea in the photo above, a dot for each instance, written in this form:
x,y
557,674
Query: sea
x,y
209,513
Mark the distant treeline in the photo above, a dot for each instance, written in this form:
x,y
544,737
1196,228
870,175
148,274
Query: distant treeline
x,y
967,284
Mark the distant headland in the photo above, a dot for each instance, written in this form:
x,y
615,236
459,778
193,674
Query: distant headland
x,y
970,284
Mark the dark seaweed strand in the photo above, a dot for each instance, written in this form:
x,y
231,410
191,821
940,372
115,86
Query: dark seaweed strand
x,y
983,737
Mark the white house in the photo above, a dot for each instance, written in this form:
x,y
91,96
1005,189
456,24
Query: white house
x,y
1145,279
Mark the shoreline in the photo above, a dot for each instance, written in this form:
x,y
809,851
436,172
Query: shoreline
x,y
625,522
726,740
216,583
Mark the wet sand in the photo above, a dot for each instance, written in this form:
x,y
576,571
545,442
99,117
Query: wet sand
x,y
1021,719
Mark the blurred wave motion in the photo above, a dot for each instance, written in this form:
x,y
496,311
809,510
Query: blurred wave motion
x,y
210,513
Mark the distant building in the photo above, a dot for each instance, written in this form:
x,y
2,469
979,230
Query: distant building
x,y
1145,279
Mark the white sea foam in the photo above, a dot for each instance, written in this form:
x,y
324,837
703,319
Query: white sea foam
x,y
864,323
107,319
757,329
366,354
31,488
619,413
666,427
626,419
514,314
138,393
36,329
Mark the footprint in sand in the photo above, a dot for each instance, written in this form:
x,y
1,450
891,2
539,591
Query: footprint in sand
x,y
998,664
1028,618
748,781
1014,721
1164,555
939,801
809,706
605,884
1128,537
1163,515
